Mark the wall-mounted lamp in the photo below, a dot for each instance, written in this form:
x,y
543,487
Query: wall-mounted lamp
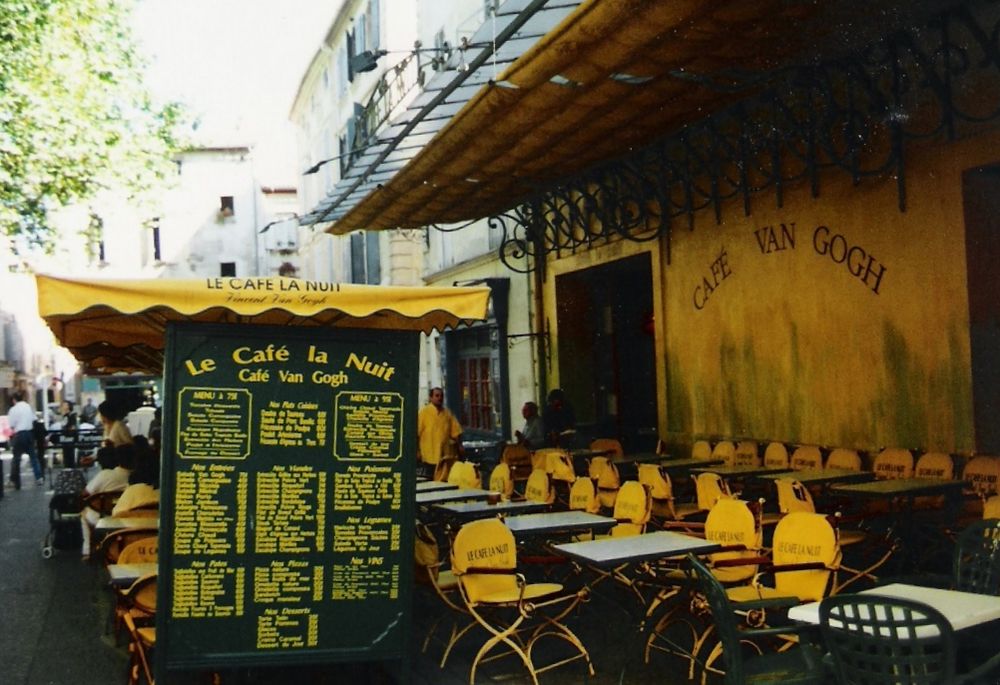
x,y
267,227
366,61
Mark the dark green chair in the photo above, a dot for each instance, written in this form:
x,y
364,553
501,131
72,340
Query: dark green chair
x,y
976,562
877,640
799,665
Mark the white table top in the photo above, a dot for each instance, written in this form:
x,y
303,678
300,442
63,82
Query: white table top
x,y
962,609
454,495
640,458
434,485
554,521
901,486
822,475
123,575
478,444
108,523
737,471
481,509
614,551
688,464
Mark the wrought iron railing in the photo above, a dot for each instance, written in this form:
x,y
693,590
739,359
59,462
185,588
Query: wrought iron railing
x,y
392,90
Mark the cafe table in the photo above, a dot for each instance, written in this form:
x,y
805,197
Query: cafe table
x,y
902,487
453,495
962,609
123,575
900,494
821,476
552,522
743,471
109,524
476,450
611,552
685,465
434,485
639,458
468,511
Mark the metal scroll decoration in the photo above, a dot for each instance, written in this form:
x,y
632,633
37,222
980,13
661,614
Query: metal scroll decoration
x,y
851,115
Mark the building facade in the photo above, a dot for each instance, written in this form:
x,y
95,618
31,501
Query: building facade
x,y
775,225
487,370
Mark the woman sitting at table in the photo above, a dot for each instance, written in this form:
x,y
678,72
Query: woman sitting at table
x,y
116,433
113,476
113,419
144,482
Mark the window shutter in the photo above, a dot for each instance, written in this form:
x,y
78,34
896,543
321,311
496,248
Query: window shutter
x,y
376,27
357,258
372,258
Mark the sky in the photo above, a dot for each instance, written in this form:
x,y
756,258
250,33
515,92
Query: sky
x,y
236,64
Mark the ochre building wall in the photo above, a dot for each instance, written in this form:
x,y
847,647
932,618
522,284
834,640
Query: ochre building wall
x,y
836,320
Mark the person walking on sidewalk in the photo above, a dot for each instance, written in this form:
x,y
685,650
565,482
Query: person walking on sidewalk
x,y
21,419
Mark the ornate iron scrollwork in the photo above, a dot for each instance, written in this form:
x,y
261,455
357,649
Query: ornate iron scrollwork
x,y
851,114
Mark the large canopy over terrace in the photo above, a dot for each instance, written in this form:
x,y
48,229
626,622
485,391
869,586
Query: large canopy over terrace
x,y
552,88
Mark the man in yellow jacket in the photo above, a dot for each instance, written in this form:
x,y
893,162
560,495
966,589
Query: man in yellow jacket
x,y
438,432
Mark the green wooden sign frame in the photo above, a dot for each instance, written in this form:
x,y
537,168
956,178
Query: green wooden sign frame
x,y
287,496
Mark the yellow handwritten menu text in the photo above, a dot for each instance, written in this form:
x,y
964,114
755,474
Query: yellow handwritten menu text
x,y
367,487
368,426
293,424
365,579
287,628
210,511
208,589
213,423
286,582
290,510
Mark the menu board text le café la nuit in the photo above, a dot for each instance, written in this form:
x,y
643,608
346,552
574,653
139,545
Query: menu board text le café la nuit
x,y
287,495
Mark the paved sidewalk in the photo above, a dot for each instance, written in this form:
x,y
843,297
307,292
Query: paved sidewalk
x,y
53,610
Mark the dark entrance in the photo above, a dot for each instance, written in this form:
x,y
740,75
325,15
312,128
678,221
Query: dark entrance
x,y
981,193
606,350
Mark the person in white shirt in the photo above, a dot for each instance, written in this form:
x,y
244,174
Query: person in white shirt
x,y
112,477
21,418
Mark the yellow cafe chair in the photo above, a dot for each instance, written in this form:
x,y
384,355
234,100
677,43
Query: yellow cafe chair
x,y
515,613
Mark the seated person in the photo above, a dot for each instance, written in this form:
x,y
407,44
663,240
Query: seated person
x,y
559,419
533,434
113,476
143,482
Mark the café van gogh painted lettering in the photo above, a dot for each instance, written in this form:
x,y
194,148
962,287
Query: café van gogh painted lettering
x,y
775,238
860,264
246,355
719,271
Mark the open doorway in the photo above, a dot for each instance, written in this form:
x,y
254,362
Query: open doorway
x,y
606,350
981,194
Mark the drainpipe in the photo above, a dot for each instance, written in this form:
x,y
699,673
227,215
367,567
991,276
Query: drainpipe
x,y
541,333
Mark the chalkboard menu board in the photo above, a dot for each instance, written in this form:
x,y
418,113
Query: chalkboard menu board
x,y
286,505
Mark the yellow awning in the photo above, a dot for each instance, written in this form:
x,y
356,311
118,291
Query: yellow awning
x,y
118,325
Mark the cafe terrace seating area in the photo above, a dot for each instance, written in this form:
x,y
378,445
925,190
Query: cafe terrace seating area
x,y
720,562
733,561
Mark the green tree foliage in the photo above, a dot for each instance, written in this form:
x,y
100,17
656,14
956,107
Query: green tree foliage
x,y
74,115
